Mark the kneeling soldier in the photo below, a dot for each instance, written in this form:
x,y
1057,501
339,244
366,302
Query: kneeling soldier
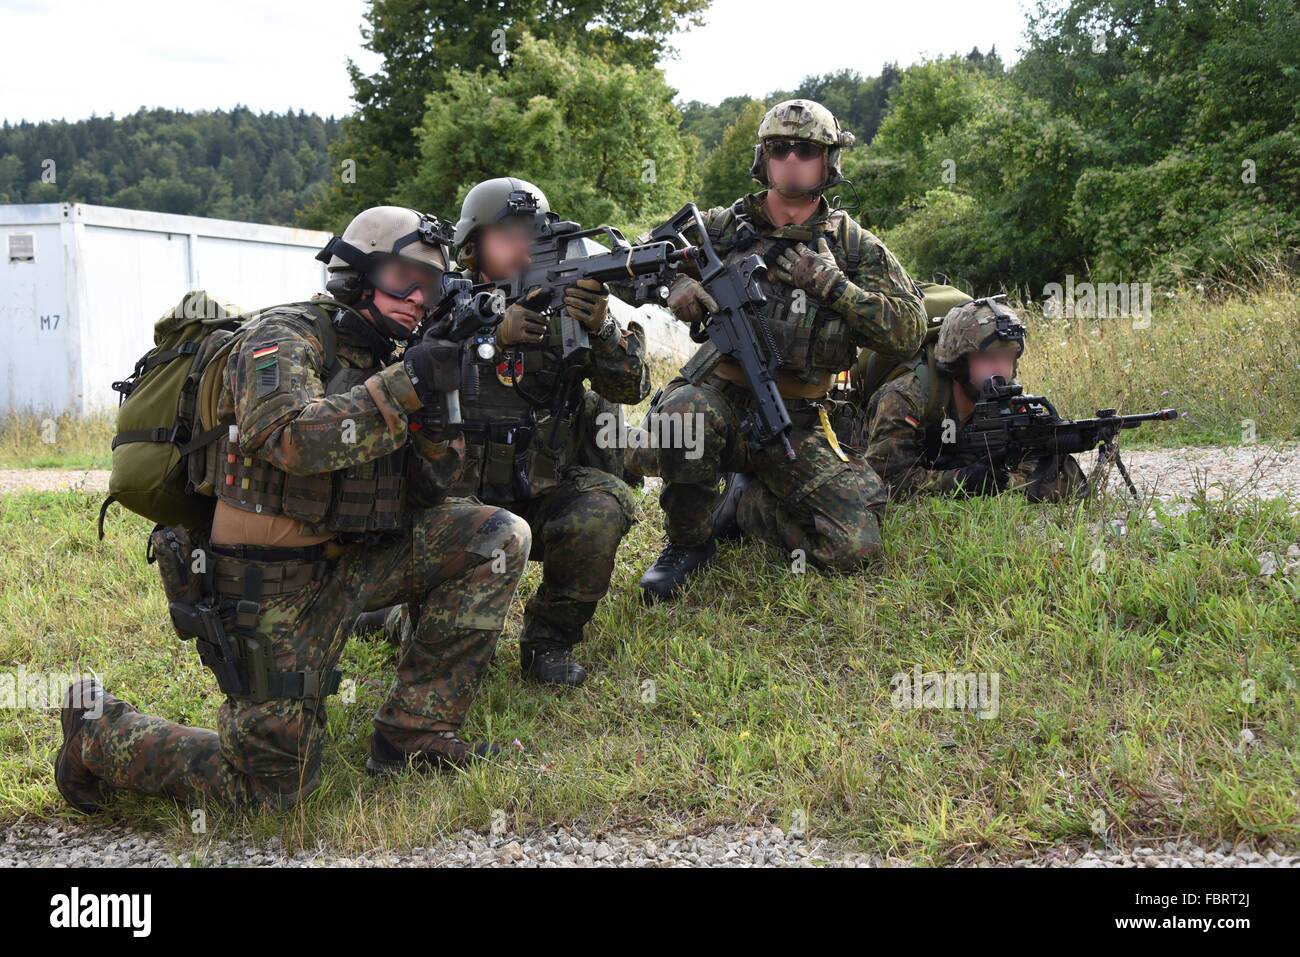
x,y
329,482
525,429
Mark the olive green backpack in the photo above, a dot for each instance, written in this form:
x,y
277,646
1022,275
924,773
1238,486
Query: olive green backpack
x,y
166,411
872,370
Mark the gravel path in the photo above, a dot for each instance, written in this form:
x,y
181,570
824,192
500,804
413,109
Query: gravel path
x,y
1261,470
52,480
58,845
1256,470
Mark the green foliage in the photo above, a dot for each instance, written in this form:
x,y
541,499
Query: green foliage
x,y
423,43
599,138
724,175
1136,140
227,164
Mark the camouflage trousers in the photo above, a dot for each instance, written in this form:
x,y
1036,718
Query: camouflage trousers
x,y
458,563
576,530
820,506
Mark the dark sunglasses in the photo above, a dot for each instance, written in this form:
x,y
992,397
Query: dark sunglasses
x,y
780,149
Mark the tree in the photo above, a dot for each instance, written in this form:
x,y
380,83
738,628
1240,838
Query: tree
x,y
600,138
725,173
423,42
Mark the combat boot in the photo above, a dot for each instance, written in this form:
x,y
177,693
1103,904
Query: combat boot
x,y
665,578
372,621
545,657
79,785
447,753
725,526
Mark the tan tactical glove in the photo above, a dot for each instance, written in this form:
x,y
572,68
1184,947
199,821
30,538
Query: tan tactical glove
x,y
813,272
689,301
587,300
522,326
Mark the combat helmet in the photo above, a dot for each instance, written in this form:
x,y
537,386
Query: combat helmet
x,y
374,237
979,325
803,120
493,200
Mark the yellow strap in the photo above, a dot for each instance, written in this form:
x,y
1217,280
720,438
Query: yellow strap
x,y
831,440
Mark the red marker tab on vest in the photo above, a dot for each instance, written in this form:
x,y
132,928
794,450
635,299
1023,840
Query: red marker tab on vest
x,y
266,351
913,421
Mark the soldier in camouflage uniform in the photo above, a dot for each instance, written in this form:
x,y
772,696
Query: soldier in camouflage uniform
x,y
520,453
330,486
910,417
832,287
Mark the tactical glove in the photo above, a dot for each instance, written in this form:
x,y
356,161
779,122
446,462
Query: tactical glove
x,y
587,300
433,366
521,325
689,301
813,272
983,478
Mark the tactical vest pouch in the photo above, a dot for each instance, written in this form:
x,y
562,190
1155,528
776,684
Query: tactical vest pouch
x,y
498,471
175,552
833,348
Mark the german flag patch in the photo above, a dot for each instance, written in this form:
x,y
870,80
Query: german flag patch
x,y
913,421
266,351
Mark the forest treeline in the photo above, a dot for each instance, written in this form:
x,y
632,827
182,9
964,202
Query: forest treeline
x,y
1133,140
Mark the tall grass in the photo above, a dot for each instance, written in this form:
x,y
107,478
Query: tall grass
x,y
1230,361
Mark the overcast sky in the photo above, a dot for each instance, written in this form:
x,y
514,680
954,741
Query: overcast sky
x,y
67,59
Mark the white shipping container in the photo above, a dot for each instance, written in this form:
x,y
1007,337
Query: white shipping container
x,y
81,287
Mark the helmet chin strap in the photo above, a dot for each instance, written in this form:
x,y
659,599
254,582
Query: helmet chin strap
x,y
388,328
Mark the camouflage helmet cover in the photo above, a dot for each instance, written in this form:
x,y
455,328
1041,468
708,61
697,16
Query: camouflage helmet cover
x,y
496,199
978,326
803,120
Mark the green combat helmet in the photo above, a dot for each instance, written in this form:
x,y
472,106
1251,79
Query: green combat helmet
x,y
493,200
979,325
803,120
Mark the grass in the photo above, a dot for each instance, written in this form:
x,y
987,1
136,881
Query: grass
x,y
32,441
1225,360
1129,665
1121,701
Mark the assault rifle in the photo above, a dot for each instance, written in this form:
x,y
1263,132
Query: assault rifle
x,y
561,255
738,329
1012,426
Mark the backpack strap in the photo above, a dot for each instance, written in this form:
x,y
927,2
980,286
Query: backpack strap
x,y
849,237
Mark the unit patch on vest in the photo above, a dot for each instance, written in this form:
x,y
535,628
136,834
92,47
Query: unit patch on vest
x,y
268,371
507,375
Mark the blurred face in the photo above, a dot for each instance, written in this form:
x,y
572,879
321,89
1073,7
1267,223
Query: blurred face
x,y
983,365
794,166
402,292
503,249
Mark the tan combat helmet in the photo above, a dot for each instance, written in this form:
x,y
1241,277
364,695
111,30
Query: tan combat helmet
x,y
978,326
379,234
496,199
803,120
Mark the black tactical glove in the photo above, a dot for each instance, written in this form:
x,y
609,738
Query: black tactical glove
x,y
984,477
434,368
